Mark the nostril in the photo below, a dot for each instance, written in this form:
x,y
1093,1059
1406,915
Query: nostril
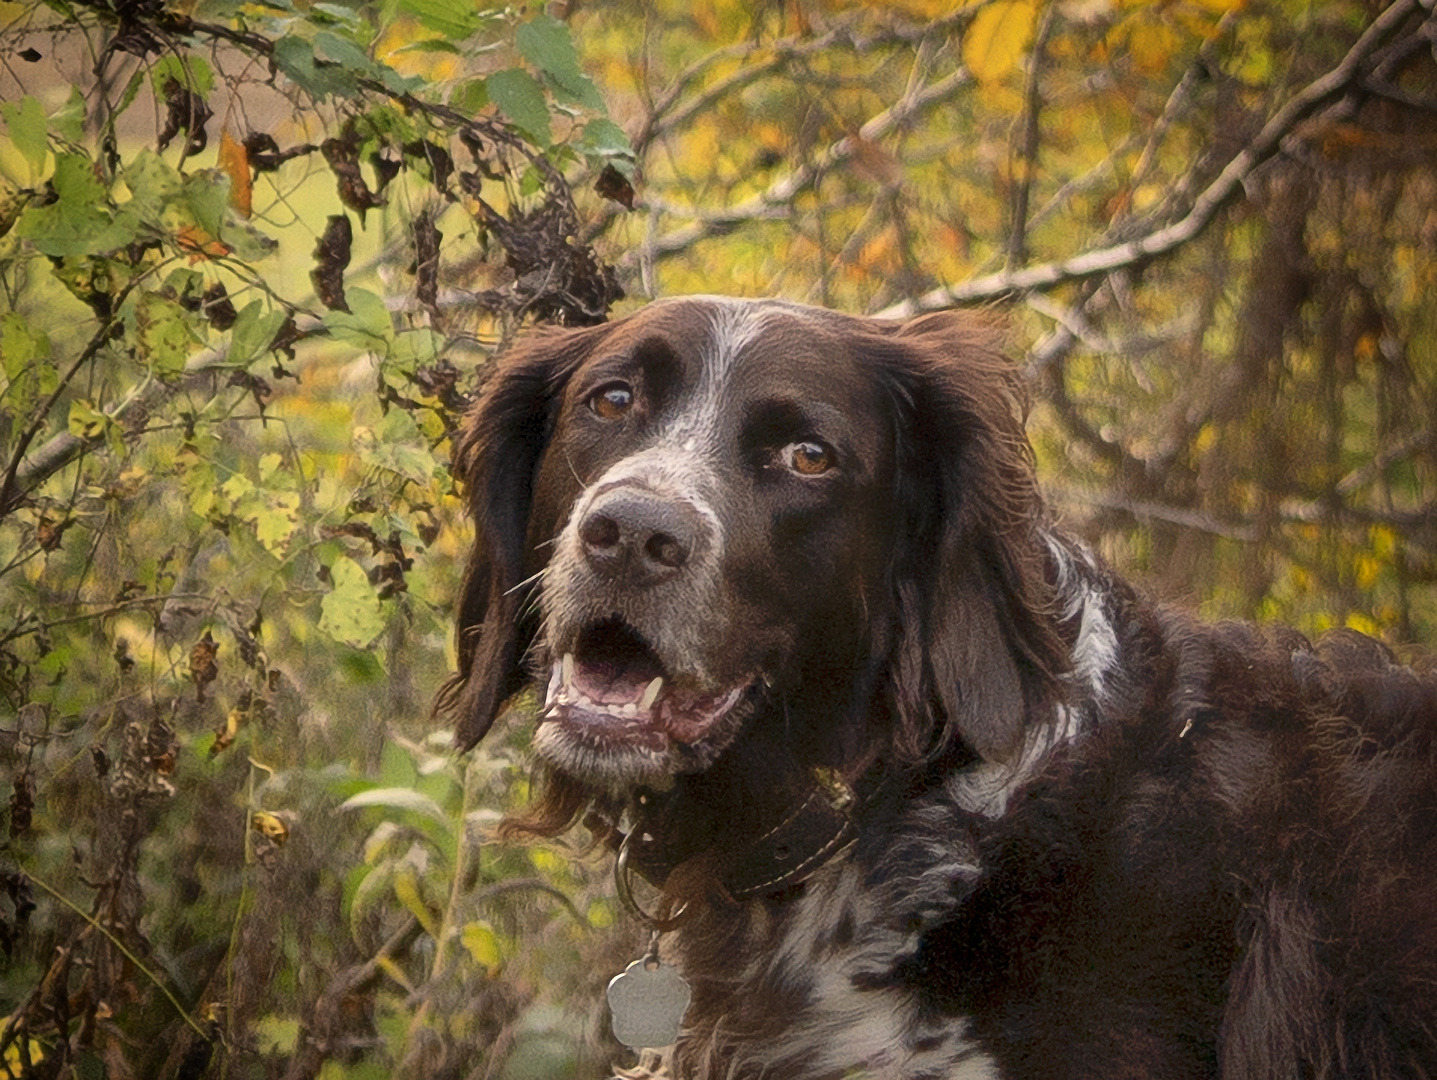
x,y
666,550
600,531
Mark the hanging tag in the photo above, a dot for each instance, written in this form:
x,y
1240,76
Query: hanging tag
x,y
647,1002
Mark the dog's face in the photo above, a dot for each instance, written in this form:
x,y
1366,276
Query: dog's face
x,y
718,513
712,472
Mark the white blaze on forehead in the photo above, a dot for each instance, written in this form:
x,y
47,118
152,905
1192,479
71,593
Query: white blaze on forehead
x,y
730,325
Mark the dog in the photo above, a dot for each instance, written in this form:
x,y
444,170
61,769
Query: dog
x,y
939,794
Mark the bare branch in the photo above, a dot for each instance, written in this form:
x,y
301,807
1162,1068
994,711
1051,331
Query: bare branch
x,y
1226,187
776,197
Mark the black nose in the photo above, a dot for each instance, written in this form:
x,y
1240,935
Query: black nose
x,y
634,534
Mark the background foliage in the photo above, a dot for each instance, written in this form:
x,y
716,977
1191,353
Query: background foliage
x,y
254,255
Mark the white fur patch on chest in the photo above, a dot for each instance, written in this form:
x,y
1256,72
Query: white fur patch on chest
x,y
830,949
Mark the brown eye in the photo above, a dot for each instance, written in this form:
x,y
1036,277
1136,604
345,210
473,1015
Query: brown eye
x,y
612,401
808,458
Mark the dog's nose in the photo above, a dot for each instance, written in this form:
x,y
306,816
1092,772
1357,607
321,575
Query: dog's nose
x,y
629,532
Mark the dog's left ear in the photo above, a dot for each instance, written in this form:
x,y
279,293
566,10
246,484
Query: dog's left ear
x,y
978,635
496,457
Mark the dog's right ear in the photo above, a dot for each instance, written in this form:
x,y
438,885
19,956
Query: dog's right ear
x,y
496,456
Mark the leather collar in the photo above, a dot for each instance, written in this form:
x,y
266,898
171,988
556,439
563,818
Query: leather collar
x,y
817,827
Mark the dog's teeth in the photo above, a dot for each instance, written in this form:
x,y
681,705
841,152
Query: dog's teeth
x,y
567,667
629,711
651,694
584,702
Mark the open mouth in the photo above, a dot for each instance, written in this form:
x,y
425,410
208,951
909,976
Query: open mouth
x,y
613,692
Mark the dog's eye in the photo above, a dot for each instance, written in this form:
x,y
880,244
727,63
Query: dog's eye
x,y
807,458
612,401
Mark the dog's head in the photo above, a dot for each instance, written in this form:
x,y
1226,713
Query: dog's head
x,y
716,515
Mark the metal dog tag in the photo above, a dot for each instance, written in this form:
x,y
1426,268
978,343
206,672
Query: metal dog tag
x,y
648,1000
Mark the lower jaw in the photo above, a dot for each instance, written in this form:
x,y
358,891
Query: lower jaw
x,y
650,756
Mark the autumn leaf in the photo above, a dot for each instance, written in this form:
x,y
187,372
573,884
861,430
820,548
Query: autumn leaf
x,y
331,259
234,163
226,732
270,826
204,662
998,37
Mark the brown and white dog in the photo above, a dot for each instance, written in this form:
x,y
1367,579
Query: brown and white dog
x,y
945,797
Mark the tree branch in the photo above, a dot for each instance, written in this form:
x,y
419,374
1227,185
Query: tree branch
x,y
774,199
1227,186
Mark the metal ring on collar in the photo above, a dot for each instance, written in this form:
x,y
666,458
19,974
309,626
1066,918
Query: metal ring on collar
x,y
624,888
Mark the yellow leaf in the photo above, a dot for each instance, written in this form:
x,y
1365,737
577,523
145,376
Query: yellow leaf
x,y
234,163
998,37
270,825
1152,45
406,888
483,944
1362,624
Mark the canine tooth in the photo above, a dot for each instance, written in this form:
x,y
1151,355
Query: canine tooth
x,y
567,667
651,693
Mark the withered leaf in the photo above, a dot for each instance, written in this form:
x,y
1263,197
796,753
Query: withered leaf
x,y
218,308
613,184
269,825
426,260
161,746
441,164
283,341
226,732
331,259
185,111
386,164
204,662
266,156
22,804
343,158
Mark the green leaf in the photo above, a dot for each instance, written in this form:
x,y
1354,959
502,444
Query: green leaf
x,y
398,798
520,98
470,97
276,519
21,345
69,121
28,131
154,185
366,324
78,221
604,138
455,19
344,52
132,90
208,194
191,72
545,42
351,612
253,330
399,446
295,57
86,421
166,334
